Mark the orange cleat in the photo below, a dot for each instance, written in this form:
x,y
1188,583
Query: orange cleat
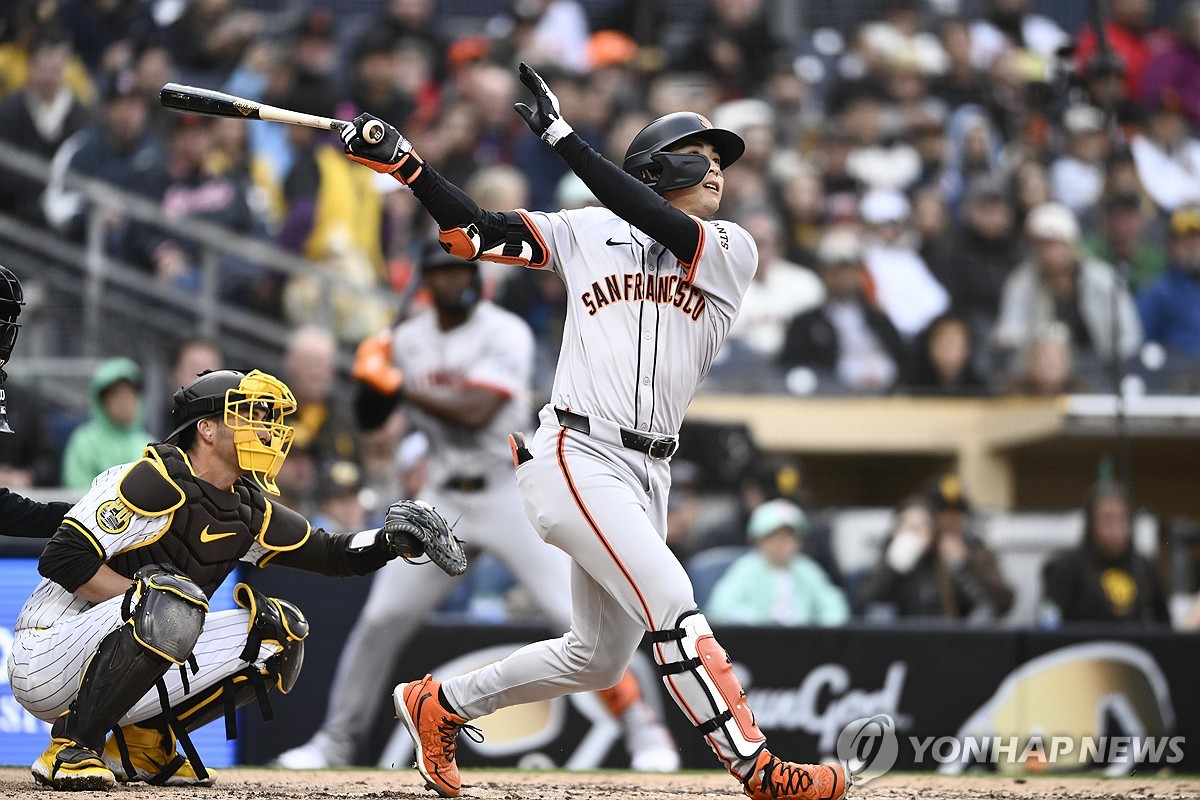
x,y
773,779
434,731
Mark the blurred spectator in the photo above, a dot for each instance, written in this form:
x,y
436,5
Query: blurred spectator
x,y
1132,37
323,422
115,432
119,149
1029,184
1058,283
1103,80
1077,176
375,82
802,203
898,36
876,159
778,292
1166,156
905,289
545,33
932,566
29,456
1047,367
962,83
931,225
1174,73
107,33
192,357
1008,26
942,362
973,148
684,507
210,37
1123,239
1104,579
775,583
734,42
982,253
844,341
38,119
25,23
407,22
1170,306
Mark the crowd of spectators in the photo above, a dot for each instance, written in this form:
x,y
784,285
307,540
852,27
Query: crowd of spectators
x,y
943,206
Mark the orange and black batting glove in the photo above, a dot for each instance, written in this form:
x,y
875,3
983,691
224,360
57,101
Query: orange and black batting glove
x,y
373,365
392,154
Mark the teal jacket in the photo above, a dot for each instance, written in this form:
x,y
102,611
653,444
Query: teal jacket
x,y
745,594
98,443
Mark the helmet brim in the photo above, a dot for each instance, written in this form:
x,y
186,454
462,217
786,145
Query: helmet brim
x,y
728,144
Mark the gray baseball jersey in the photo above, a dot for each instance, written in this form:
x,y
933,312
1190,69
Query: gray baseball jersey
x,y
642,330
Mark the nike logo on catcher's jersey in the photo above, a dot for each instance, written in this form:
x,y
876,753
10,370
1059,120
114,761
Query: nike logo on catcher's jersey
x,y
611,243
205,536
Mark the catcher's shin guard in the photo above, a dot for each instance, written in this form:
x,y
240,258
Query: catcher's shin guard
x,y
161,628
702,682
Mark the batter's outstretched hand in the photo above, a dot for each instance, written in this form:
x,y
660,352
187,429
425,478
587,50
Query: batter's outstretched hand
x,y
545,118
384,155
413,528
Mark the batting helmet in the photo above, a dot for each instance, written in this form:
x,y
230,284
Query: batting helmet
x,y
647,158
236,396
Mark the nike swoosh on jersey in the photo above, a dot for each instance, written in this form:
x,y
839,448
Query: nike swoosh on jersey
x,y
611,243
205,536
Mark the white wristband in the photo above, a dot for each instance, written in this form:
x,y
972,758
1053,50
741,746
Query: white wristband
x,y
557,130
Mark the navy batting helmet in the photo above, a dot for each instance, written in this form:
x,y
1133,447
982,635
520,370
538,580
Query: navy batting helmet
x,y
647,158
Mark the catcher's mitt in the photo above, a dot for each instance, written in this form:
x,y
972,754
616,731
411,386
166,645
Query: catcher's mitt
x,y
413,528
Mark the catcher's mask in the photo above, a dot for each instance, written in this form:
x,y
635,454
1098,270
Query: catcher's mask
x,y
648,159
253,406
11,301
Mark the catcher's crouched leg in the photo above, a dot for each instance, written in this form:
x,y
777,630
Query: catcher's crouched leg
x,y
164,615
146,751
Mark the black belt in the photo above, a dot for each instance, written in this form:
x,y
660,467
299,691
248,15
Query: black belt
x,y
653,446
462,483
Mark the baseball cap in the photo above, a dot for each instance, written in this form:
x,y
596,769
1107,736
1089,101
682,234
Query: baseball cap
x,y
947,493
1185,220
839,247
884,205
773,515
1053,221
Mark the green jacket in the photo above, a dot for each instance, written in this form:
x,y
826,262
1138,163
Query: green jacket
x,y
746,593
98,443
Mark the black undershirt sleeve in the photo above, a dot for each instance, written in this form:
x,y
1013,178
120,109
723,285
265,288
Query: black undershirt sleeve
x,y
20,516
329,554
70,560
620,192
372,408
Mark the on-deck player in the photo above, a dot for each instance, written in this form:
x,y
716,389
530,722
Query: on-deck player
x,y
653,285
127,579
462,369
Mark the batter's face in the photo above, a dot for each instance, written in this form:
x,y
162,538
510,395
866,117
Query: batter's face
x,y
703,199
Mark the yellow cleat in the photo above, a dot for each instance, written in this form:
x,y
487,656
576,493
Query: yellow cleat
x,y
67,765
153,758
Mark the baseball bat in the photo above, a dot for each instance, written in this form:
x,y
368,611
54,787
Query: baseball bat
x,y
195,100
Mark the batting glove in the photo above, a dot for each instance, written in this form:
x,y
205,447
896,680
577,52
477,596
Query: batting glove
x,y
391,155
373,365
545,119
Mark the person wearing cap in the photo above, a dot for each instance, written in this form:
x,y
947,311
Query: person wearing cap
x,y
1077,176
983,251
931,567
1170,307
1176,68
845,341
115,433
775,583
1125,238
1059,283
905,289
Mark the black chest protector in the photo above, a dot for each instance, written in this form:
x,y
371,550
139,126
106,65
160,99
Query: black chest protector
x,y
210,528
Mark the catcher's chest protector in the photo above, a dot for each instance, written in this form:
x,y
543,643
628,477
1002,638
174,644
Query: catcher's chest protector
x,y
207,534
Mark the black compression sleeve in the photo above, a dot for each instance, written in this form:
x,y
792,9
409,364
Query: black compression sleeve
x,y
20,516
70,560
330,554
372,408
631,200
451,207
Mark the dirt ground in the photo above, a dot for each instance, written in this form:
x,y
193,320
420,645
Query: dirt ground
x,y
268,784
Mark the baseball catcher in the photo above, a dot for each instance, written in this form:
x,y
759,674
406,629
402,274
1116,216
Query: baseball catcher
x,y
118,636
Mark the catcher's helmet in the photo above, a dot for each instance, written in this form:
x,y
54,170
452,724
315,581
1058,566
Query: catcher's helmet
x,y
647,158
236,396
11,300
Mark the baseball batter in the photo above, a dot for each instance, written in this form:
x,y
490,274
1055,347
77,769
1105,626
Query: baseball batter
x,y
653,285
127,578
463,370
